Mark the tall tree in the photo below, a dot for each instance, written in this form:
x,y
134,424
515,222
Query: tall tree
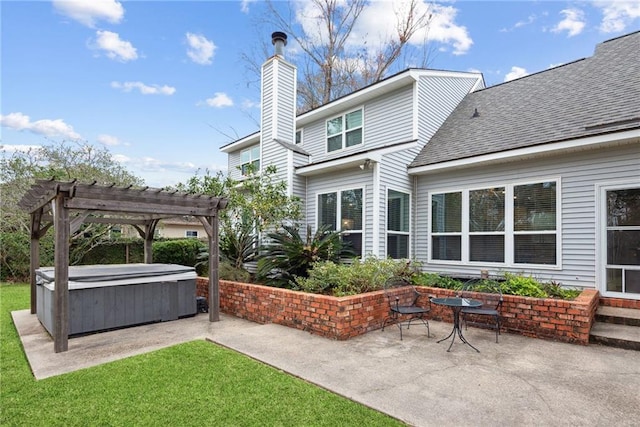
x,y
338,52
257,204
64,161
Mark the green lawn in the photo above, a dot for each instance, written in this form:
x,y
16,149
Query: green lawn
x,y
196,383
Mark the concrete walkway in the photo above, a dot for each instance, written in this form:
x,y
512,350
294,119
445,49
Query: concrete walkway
x,y
520,381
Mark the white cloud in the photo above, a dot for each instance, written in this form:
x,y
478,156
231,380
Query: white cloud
x,y
378,21
87,12
108,140
19,148
515,73
530,20
248,104
617,15
573,22
200,49
121,158
244,5
114,47
143,88
219,100
46,127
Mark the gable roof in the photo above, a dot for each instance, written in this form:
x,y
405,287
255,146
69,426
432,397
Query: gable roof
x,y
588,97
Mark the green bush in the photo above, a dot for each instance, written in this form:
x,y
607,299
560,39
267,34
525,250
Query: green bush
x,y
525,286
15,254
115,252
288,255
437,281
511,284
227,271
179,251
331,278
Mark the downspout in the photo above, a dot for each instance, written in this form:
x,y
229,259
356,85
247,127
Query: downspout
x,y
375,236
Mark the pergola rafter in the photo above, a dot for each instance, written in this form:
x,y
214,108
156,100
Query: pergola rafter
x,y
66,205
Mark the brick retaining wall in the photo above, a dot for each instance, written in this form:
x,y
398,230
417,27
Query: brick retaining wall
x,y
345,317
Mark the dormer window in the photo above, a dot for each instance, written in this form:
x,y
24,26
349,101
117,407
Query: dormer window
x,y
250,160
344,131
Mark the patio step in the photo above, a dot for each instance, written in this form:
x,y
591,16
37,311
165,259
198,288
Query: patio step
x,y
621,316
616,327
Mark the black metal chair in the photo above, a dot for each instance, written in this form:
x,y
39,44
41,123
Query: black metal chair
x,y
403,304
491,302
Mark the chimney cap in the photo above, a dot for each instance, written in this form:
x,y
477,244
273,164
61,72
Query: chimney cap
x,y
278,36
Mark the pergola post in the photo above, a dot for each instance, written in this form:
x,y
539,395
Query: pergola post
x,y
214,286
34,254
149,231
34,263
61,265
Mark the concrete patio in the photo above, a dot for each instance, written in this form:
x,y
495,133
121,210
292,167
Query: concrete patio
x,y
521,380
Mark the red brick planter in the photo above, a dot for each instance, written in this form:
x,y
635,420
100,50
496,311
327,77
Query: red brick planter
x,y
345,317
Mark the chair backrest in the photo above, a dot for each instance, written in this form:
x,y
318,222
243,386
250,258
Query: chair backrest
x,y
405,297
487,291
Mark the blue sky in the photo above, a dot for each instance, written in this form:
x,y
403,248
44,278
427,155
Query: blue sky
x,y
163,85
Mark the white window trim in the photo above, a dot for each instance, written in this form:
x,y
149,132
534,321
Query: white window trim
x,y
508,233
601,236
344,131
338,192
403,233
186,233
251,160
301,130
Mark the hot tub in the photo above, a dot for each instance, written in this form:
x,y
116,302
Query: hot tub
x,y
113,296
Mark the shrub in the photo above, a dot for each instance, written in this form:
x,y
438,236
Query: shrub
x,y
511,284
522,285
349,279
227,271
115,252
179,251
437,281
288,255
15,254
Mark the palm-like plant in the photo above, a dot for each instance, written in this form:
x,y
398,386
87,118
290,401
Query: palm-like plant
x,y
288,255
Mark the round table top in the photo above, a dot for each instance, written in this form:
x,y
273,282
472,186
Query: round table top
x,y
457,302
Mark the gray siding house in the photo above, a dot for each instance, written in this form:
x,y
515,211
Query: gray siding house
x,y
539,175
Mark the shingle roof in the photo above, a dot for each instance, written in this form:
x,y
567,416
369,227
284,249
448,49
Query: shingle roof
x,y
591,96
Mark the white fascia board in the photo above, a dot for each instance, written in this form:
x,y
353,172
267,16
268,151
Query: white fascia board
x,y
591,142
245,142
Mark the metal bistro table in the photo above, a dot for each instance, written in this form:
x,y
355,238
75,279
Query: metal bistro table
x,y
457,304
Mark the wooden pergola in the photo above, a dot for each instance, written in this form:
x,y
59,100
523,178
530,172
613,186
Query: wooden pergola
x,y
67,205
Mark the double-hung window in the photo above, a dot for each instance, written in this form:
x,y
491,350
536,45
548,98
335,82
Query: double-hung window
x,y
512,225
486,225
344,131
446,226
397,224
250,160
534,223
342,210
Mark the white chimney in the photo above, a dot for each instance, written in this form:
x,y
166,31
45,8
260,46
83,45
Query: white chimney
x,y
278,108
